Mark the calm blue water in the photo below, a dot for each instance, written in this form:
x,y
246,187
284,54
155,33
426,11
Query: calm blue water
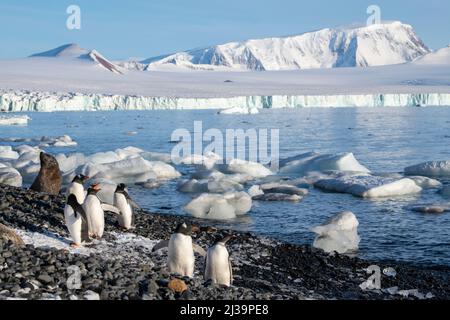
x,y
383,139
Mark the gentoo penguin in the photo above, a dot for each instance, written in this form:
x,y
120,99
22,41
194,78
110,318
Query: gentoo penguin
x,y
76,221
94,212
181,250
125,204
76,187
217,264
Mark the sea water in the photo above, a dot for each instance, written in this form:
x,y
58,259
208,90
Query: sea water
x,y
382,139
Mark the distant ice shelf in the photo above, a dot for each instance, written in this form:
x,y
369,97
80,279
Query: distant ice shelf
x,y
22,101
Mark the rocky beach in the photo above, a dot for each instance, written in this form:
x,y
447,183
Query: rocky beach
x,y
122,265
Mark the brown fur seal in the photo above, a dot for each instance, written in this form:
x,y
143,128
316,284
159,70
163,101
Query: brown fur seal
x,y
49,179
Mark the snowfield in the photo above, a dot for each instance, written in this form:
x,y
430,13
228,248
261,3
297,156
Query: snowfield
x,y
377,66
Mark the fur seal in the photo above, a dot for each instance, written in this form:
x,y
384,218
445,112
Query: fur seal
x,y
49,178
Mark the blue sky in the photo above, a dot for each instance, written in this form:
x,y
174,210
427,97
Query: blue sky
x,y
145,28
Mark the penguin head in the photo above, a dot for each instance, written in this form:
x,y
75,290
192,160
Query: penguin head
x,y
94,189
223,239
186,229
80,178
121,187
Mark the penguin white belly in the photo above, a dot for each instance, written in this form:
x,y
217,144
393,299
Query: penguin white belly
x,y
217,265
95,216
181,255
126,213
78,190
73,224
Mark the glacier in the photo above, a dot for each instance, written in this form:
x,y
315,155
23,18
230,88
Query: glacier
x,y
26,101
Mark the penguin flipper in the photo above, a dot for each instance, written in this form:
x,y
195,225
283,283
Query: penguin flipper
x,y
231,271
199,250
131,202
161,245
84,223
110,208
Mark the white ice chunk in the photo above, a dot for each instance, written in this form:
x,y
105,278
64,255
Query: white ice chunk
x,y
255,190
369,186
310,162
62,141
426,183
10,176
240,110
6,152
219,207
430,169
193,186
130,170
254,169
14,120
339,234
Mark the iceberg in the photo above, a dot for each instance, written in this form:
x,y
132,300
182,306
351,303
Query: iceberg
x,y
10,176
6,152
14,120
239,110
430,169
219,207
339,234
253,169
367,186
306,163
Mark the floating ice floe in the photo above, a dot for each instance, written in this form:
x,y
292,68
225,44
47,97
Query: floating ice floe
x,y
430,169
303,164
220,207
10,176
240,110
339,234
431,209
425,182
131,170
120,166
14,120
62,141
253,169
206,161
6,152
275,191
367,186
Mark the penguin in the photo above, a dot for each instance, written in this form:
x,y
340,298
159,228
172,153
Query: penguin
x,y
125,204
217,263
94,212
181,258
76,221
76,187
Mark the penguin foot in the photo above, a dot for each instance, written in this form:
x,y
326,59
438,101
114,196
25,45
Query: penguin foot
x,y
74,245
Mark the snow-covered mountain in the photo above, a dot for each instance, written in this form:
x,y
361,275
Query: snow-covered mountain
x,y
381,44
73,51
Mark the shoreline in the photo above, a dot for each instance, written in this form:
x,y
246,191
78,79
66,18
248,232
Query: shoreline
x,y
121,266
